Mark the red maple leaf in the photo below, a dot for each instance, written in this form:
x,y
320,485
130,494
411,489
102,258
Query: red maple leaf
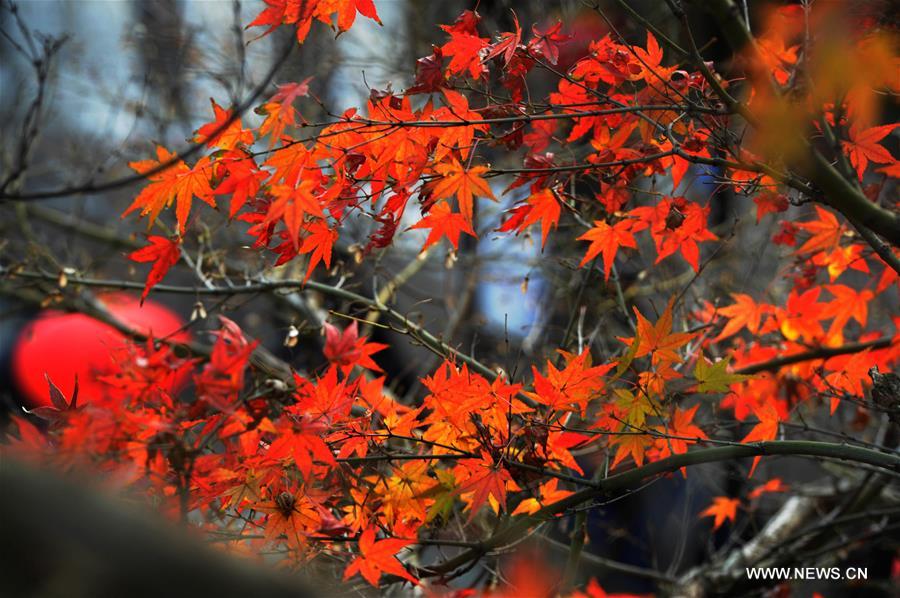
x,y
677,224
607,239
429,72
319,243
288,92
240,178
222,378
465,47
507,44
769,202
301,14
540,136
163,252
348,350
59,406
743,312
541,206
546,43
487,479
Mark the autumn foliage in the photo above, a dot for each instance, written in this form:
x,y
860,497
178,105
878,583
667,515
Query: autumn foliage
x,y
336,472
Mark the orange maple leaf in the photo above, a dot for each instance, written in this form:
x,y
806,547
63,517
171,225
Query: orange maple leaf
x,y
163,252
773,485
651,61
229,136
801,315
842,257
377,558
607,239
178,182
848,303
577,383
863,147
549,494
465,184
826,231
456,137
722,508
285,12
683,427
777,57
765,430
443,222
292,204
630,444
346,12
891,170
292,515
743,312
279,116
658,338
848,376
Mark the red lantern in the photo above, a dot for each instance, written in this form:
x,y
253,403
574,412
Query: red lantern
x,y
63,345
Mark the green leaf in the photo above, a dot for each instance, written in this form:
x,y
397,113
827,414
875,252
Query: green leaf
x,y
627,358
714,377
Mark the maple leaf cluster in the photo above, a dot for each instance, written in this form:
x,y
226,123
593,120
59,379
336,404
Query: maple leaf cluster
x,y
274,467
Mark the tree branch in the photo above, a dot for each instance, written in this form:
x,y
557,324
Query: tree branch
x,y
819,353
837,191
798,448
182,155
